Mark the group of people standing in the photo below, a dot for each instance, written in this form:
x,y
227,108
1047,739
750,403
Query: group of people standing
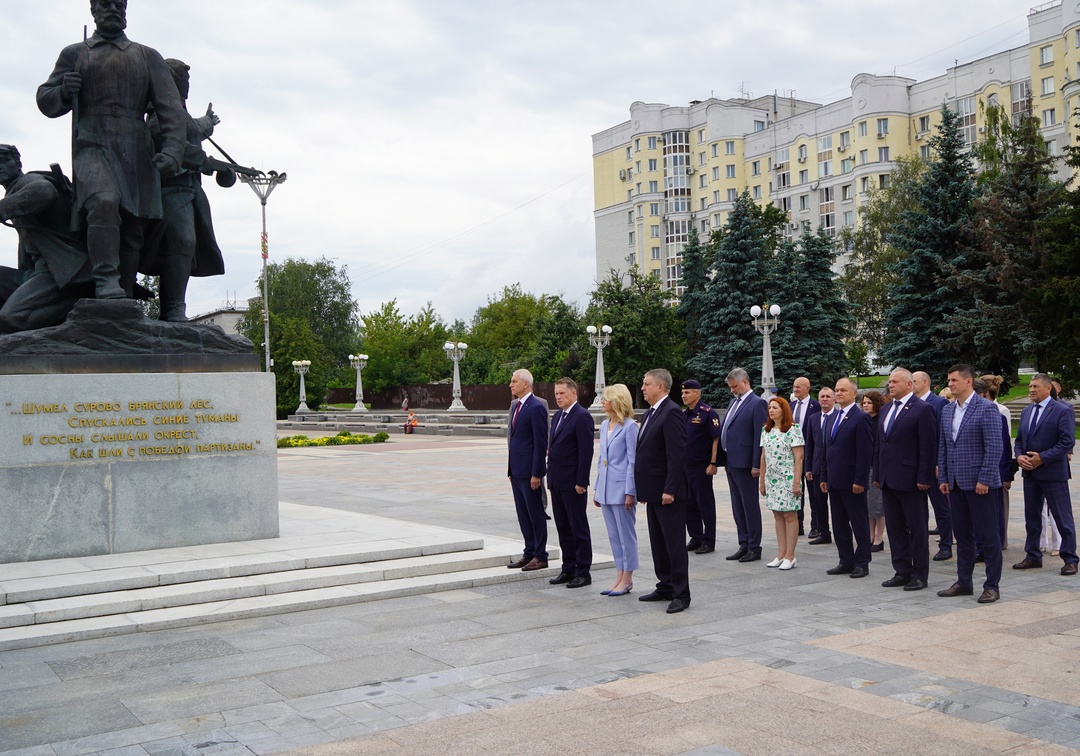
x,y
871,466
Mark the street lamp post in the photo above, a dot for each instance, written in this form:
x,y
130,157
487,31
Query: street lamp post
x,y
262,185
359,362
455,351
765,322
302,367
599,338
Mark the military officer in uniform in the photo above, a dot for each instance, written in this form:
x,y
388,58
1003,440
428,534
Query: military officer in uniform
x,y
702,446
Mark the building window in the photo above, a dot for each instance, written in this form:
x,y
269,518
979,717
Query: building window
x,y
652,164
652,143
656,273
924,152
802,153
704,203
629,153
637,145
845,193
701,136
847,165
656,253
1046,55
1048,85
924,124
755,168
783,168
827,209
965,108
630,216
864,157
1078,37
678,204
845,139
637,186
882,126
654,186
1049,117
883,154
849,218
716,173
883,181
631,238
639,209
629,195
701,158
654,232
716,220
804,176
759,125
862,128
729,148
756,192
715,149
1021,101
729,171
1051,147
732,195
702,181
864,184
804,201
824,156
785,204
637,166
654,208
716,197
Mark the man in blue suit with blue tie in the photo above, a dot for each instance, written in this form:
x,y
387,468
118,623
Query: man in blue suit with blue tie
x,y
1044,441
969,459
849,450
740,438
940,502
526,467
569,463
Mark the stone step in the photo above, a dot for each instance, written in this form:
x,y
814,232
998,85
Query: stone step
x,y
166,617
39,581
89,605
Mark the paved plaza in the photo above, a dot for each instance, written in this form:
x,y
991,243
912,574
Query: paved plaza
x,y
763,662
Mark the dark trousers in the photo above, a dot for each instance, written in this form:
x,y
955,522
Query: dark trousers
x,y
667,526
942,516
531,519
819,507
569,509
745,507
1001,520
906,513
1058,501
850,519
701,507
977,513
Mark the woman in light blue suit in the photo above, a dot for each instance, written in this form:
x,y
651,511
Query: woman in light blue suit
x,y
616,493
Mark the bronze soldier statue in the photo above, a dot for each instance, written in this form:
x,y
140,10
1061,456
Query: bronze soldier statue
x,y
107,82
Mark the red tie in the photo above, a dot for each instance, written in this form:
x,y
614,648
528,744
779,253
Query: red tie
x,y
513,420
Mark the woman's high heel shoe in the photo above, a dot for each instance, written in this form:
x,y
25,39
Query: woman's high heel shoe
x,y
623,592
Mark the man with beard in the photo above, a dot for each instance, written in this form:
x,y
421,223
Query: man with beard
x,y
107,82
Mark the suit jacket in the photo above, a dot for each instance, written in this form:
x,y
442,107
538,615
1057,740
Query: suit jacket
x,y
849,452
814,451
744,433
939,403
615,463
976,453
570,448
1053,438
528,440
660,464
905,458
811,407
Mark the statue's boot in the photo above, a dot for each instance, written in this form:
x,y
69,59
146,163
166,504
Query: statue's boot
x,y
175,271
131,237
103,244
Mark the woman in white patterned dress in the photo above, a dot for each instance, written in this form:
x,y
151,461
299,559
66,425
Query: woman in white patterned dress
x,y
781,478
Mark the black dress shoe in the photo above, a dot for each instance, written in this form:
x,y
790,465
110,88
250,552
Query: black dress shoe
x,y
896,581
814,533
693,545
654,596
860,572
751,556
580,581
943,554
1027,564
877,546
935,531
737,555
840,569
821,539
916,584
677,605
1069,569
704,549
989,596
518,564
562,577
955,590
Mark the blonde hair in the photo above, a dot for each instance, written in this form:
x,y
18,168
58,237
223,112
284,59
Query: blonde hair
x,y
993,385
622,404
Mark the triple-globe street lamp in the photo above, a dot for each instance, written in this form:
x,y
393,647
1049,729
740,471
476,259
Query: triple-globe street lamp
x,y
302,367
359,362
455,351
599,338
765,323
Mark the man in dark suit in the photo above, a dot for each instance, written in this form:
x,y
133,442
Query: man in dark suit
x,y
740,438
940,502
849,448
905,455
569,464
969,459
526,468
660,477
803,407
813,464
1044,441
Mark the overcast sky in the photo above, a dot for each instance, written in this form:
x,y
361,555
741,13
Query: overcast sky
x,y
441,149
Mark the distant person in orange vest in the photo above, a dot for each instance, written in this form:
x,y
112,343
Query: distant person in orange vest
x,y
410,422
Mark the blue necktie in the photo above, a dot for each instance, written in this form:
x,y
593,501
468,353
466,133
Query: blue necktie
x,y
1034,419
891,417
836,424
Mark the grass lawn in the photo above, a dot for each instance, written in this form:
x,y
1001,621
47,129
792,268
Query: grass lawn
x,y
1019,390
874,381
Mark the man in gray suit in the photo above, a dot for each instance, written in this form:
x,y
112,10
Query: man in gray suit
x,y
740,437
